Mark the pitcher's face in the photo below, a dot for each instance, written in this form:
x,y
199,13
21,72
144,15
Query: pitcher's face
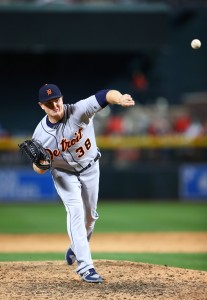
x,y
54,109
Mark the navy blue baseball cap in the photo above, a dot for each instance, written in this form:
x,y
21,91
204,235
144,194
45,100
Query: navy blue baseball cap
x,y
49,91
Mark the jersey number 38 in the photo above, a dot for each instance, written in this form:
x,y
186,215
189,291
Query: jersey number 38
x,y
81,150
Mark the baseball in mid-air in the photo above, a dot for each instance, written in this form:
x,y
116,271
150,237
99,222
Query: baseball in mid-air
x,y
196,44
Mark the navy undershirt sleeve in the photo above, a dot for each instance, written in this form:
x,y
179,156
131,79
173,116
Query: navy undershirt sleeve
x,y
101,97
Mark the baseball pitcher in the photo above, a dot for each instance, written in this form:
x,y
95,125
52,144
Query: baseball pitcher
x,y
64,143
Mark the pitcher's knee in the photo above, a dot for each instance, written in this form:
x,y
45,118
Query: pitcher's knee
x,y
91,219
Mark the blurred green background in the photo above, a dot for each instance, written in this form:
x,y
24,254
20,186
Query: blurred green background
x,y
127,216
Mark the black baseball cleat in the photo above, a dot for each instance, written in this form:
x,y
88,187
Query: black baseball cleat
x,y
91,276
70,257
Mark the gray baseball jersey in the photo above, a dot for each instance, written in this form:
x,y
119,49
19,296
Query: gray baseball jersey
x,y
71,142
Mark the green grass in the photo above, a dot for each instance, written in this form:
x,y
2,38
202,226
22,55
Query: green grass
x,y
114,217
32,218
181,260
151,217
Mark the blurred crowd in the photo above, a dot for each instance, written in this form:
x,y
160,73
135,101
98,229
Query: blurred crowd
x,y
157,119
153,120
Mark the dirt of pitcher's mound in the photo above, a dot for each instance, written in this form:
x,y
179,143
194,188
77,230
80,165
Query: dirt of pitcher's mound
x,y
123,280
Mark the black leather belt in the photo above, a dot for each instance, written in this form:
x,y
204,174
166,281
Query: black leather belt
x,y
90,164
77,173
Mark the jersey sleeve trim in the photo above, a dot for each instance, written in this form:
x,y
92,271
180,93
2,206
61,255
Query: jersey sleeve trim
x,y
101,97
